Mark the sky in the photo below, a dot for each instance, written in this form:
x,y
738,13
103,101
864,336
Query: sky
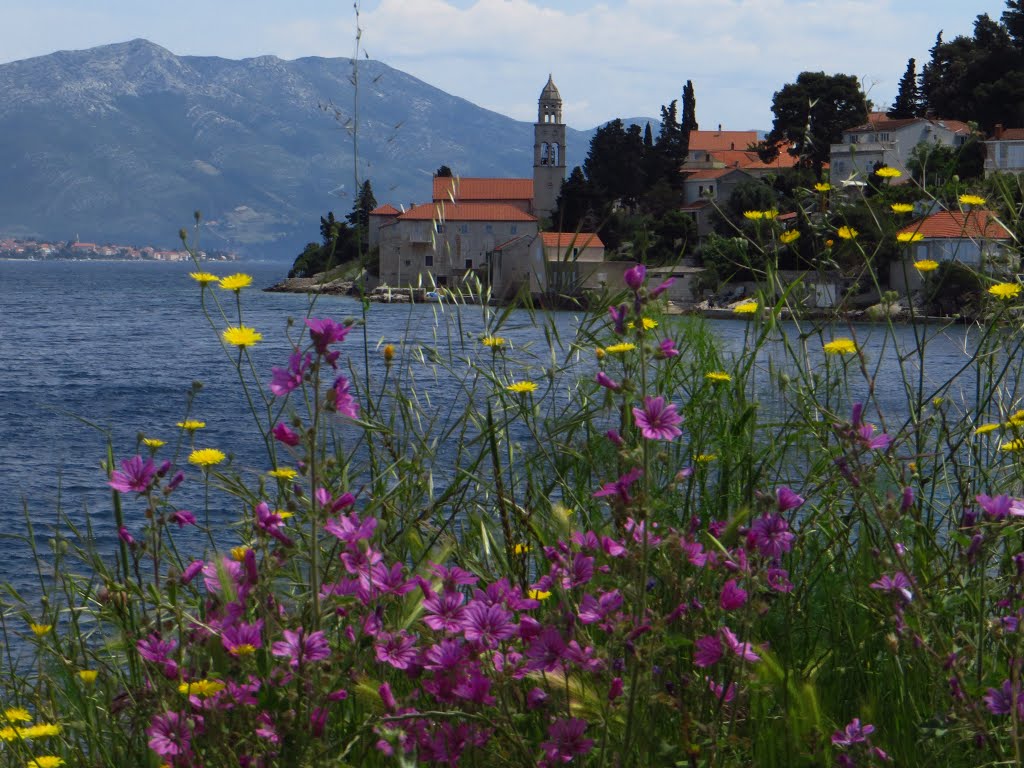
x,y
616,58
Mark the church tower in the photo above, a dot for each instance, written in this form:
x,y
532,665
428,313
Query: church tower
x,y
548,151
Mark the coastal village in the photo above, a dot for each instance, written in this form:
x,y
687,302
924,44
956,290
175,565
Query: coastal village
x,y
34,250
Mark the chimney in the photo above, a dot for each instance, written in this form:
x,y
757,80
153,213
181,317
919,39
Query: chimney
x,y
999,131
719,127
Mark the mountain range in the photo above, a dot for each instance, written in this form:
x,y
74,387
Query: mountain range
x,y
121,143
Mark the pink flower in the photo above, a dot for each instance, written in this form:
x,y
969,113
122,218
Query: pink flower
x,y
445,611
667,348
996,507
339,398
242,638
136,474
854,733
662,287
399,650
300,647
169,735
744,650
619,315
285,380
707,651
634,277
607,382
787,499
324,332
487,625
621,486
658,421
285,435
182,517
771,535
566,738
898,583
733,596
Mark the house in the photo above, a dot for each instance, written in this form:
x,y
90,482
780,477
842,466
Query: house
x,y
1005,151
548,262
701,188
974,238
702,144
883,140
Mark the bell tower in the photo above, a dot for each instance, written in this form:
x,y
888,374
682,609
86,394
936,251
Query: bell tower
x,y
548,151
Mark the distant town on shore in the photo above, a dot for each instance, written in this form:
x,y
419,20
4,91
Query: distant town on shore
x,y
74,250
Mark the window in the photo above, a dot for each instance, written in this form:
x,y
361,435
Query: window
x,y
408,262
513,229
489,228
464,229
469,263
883,137
428,260
575,252
439,227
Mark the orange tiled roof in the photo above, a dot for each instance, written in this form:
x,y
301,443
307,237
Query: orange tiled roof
x,y
1010,134
385,210
713,141
563,240
750,161
879,121
465,212
703,174
467,190
959,225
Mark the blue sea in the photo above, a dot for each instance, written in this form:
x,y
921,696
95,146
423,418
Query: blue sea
x,y
104,351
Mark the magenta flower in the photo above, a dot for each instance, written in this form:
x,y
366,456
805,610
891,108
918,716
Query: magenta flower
x,y
157,651
566,740
136,474
621,486
169,735
662,287
285,380
707,651
242,639
723,694
744,650
301,648
1000,700
445,612
487,625
854,733
996,507
399,649
898,583
271,523
536,698
607,382
634,277
285,435
339,398
771,535
658,421
733,596
619,315
182,517
125,535
445,656
349,528
324,332
191,571
547,651
667,348
787,499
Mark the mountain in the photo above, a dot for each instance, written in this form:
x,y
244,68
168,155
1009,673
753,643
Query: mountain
x,y
121,143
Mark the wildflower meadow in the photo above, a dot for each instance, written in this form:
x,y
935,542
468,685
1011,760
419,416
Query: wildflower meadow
x,y
624,549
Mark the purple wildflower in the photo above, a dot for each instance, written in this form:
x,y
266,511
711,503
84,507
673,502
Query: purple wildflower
x,y
621,486
445,656
667,348
182,517
399,649
157,651
733,596
744,650
566,739
445,611
787,499
285,380
546,651
1000,700
619,315
658,421
339,397
191,571
634,277
663,286
536,698
708,651
607,382
300,647
242,639
125,535
898,583
771,535
487,625
285,435
324,332
169,735
908,499
136,474
854,733
996,507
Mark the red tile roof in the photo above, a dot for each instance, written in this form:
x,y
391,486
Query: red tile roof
x,y
879,121
750,161
709,173
562,240
385,210
960,226
713,141
465,212
466,190
1010,134
507,243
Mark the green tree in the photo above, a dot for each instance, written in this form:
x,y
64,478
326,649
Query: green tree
x,y
812,113
443,172
614,164
359,218
577,204
689,120
908,100
675,234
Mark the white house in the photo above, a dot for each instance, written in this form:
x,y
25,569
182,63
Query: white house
x,y
1005,151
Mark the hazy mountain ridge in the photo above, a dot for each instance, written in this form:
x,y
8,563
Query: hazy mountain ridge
x,y
122,142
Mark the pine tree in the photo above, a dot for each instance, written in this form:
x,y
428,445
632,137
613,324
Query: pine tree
x,y
365,202
908,101
1013,20
689,121
648,137
931,76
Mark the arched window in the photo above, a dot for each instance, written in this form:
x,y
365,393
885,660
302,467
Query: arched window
x,y
544,149
555,149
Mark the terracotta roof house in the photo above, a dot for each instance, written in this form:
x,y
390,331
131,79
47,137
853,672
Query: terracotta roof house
x,y
514,192
973,238
716,141
704,186
883,140
379,216
1005,151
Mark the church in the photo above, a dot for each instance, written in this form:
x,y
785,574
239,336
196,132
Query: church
x,y
491,227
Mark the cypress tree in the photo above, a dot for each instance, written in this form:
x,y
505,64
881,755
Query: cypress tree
x,y
689,122
908,101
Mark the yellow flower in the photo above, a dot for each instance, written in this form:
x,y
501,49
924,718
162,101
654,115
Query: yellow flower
x,y
8,733
753,215
283,473
902,208
88,676
1014,446
206,457
191,425
238,553
40,731
153,442
789,236
492,341
236,282
926,265
40,629
648,323
829,243
840,347
910,237
17,715
705,458
389,353
245,649
284,514
886,172
746,308
1005,291
771,213
1016,419
822,186
717,376
45,761
971,200
522,387
615,349
847,233
203,277
520,549
241,336
538,594
599,353
985,429
201,687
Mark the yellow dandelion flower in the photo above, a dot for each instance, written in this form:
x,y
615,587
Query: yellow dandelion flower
x,y
648,323
705,458
1005,291
617,349
847,233
493,341
789,236
926,265
822,186
538,594
389,353
40,731
1015,419
284,514
886,172
1014,446
520,549
244,649
241,336
203,277
45,761
238,553
910,237
937,401
971,200
746,308
153,442
599,353
984,429
902,208
88,676
717,376
206,457
840,347
8,733
829,243
201,687
17,715
191,425
283,473
236,282
753,215
40,629
771,214
522,387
